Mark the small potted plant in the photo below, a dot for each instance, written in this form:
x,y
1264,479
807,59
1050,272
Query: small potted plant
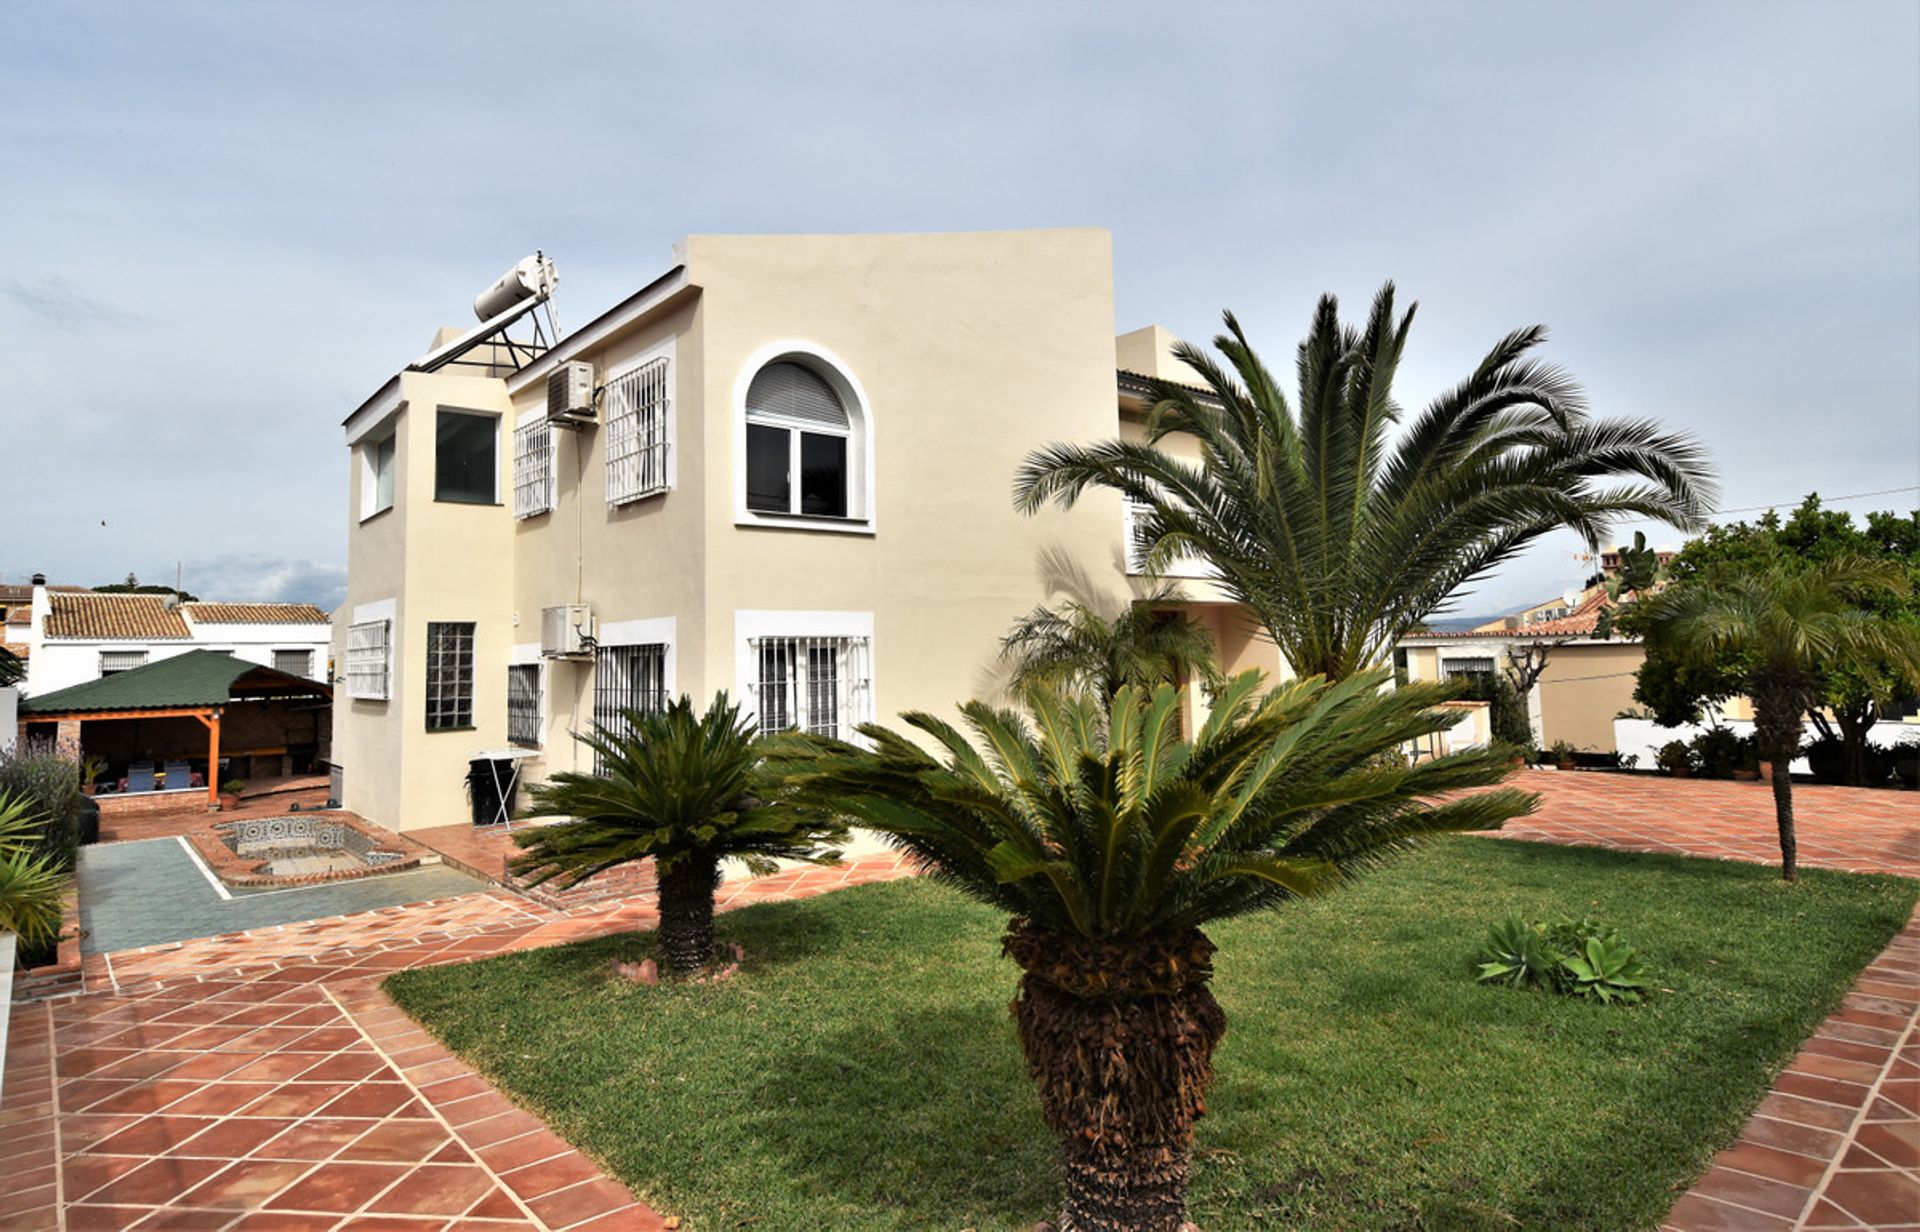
x,y
92,767
1563,754
1676,759
230,794
1746,767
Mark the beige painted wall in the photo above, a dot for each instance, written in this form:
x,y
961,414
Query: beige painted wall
x,y
973,350
438,562
1583,687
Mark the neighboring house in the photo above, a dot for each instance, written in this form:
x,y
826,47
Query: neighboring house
x,y
16,614
794,485
74,636
1587,679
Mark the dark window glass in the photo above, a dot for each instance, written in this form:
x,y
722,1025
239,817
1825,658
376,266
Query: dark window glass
x,y
768,458
823,475
464,468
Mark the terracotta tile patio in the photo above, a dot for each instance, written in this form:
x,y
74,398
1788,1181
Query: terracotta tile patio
x,y
1849,828
261,1080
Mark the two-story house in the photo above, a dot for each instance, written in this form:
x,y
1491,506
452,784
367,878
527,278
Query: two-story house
x,y
782,469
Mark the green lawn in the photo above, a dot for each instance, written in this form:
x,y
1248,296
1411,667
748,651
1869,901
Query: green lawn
x,y
862,1073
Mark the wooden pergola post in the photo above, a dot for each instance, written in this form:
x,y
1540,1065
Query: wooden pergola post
x,y
211,718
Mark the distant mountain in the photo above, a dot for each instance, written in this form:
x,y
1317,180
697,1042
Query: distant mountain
x,y
1460,624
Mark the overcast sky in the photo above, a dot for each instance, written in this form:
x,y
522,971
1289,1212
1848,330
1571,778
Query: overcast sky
x,y
222,226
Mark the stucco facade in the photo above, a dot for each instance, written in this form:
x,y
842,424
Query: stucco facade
x,y
952,357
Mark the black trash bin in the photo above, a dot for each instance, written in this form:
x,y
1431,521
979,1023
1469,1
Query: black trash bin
x,y
492,784
89,821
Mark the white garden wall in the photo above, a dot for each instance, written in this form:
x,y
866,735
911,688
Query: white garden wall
x,y
1643,737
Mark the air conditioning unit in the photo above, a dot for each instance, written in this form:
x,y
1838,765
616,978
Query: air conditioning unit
x,y
570,394
566,632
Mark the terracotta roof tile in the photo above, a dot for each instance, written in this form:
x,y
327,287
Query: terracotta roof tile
x,y
118,617
22,592
1583,621
21,649
255,614
22,615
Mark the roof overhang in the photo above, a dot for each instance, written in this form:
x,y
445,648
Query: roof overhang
x,y
656,295
384,403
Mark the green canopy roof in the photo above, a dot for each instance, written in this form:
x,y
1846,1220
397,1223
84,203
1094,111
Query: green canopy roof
x,y
198,679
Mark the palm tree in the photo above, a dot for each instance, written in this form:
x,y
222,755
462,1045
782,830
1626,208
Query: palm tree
x,y
1078,648
31,886
1341,533
676,789
1781,630
1111,842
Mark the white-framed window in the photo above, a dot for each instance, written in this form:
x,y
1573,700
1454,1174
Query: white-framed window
x,y
376,475
369,644
627,678
639,412
526,715
449,675
822,685
294,662
533,468
1466,665
804,443
112,661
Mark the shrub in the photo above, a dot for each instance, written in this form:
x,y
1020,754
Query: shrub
x,y
1719,751
48,786
1506,709
1674,755
1580,958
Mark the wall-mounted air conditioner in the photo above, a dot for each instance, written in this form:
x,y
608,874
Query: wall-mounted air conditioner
x,y
566,632
570,394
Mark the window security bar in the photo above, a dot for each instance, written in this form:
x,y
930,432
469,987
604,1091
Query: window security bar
x,y
637,407
821,685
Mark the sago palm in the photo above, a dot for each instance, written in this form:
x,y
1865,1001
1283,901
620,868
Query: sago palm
x,y
32,887
676,789
1112,842
1075,647
1341,526
1782,630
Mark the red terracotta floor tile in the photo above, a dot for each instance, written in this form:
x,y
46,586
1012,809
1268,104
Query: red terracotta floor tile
x,y
339,1187
436,1189
246,1184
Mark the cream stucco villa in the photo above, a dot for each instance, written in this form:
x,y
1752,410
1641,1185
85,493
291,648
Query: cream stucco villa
x,y
782,468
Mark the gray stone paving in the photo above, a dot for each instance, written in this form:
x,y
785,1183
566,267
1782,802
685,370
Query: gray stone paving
x,y
150,892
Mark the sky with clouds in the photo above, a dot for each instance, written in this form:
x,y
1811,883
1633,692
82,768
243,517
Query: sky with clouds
x,y
223,225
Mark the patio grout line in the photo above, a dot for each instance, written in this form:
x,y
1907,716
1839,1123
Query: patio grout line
x,y
1860,1117
435,1112
59,1156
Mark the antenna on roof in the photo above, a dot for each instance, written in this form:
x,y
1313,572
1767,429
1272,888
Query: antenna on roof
x,y
518,293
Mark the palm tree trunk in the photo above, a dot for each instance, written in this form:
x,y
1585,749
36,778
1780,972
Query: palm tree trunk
x,y
686,913
1119,1040
1776,723
1783,816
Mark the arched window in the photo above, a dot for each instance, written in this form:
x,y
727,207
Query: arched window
x,y
804,446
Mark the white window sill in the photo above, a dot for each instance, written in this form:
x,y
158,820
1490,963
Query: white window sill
x,y
790,521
